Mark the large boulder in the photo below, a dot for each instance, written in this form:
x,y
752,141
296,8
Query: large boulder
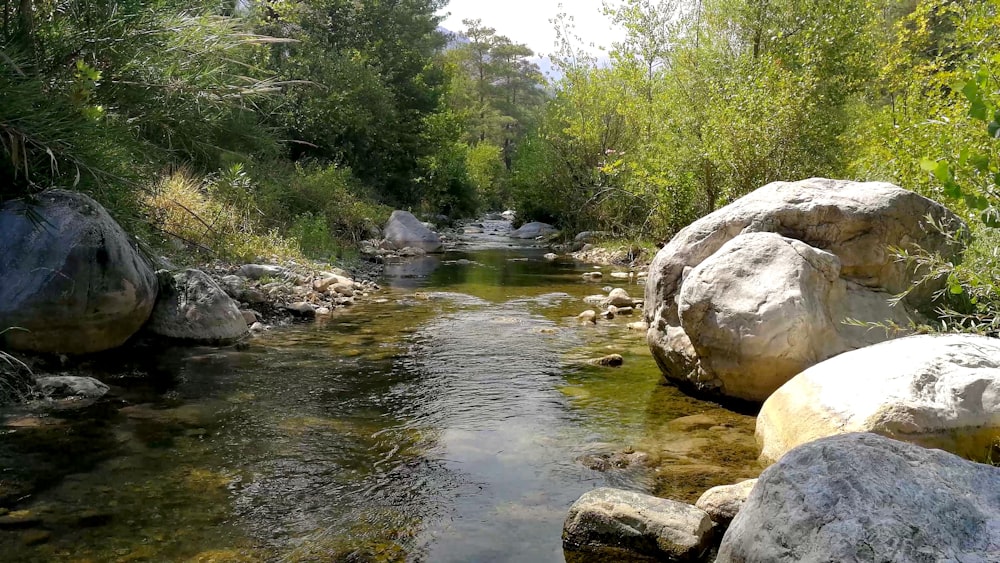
x,y
619,525
69,276
940,391
191,306
532,230
746,297
863,497
765,307
404,230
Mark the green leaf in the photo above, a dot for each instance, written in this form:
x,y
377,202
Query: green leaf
x,y
956,289
978,110
942,172
928,165
980,162
952,190
976,202
994,129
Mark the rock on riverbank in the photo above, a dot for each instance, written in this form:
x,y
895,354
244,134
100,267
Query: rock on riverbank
x,y
69,276
752,294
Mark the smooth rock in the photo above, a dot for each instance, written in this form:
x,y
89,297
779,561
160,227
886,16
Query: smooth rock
x,y
191,306
765,307
588,316
249,316
593,275
532,230
626,526
855,223
550,256
61,386
939,391
863,497
258,327
590,236
404,230
621,275
724,502
619,298
595,299
70,276
641,326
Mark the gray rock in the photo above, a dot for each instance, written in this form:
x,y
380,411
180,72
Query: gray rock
x,y
404,230
940,391
532,230
69,275
765,307
845,230
62,386
863,497
233,285
509,215
619,298
302,309
258,271
191,306
590,236
724,502
626,526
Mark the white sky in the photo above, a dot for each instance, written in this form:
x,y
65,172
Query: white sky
x,y
527,21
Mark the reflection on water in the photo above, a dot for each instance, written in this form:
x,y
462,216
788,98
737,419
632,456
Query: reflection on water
x,y
453,423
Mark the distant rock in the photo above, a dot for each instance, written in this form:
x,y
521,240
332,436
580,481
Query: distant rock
x,y
191,306
863,497
70,276
404,230
939,391
533,230
608,524
258,271
619,298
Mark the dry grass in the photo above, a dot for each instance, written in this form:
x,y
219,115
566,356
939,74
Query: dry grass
x,y
183,207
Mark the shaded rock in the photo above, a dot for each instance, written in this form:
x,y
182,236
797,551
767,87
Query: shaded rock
x,y
404,230
724,502
863,497
301,309
843,230
628,526
590,236
61,386
19,519
249,316
191,306
533,230
939,391
70,276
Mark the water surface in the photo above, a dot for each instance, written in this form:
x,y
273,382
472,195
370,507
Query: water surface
x,y
456,421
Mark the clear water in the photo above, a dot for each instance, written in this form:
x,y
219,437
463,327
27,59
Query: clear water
x,y
455,422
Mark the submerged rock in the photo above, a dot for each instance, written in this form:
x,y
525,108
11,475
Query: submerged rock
x,y
746,297
863,497
69,276
940,391
191,306
611,360
628,526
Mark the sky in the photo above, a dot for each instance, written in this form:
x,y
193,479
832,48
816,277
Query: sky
x,y
527,21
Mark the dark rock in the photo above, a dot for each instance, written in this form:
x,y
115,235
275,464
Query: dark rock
x,y
70,276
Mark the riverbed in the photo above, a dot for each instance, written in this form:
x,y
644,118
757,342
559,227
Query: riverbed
x,y
454,417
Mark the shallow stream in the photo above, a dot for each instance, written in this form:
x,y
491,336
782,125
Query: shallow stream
x,y
453,419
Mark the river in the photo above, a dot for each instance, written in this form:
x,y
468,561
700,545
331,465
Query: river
x,y
453,419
